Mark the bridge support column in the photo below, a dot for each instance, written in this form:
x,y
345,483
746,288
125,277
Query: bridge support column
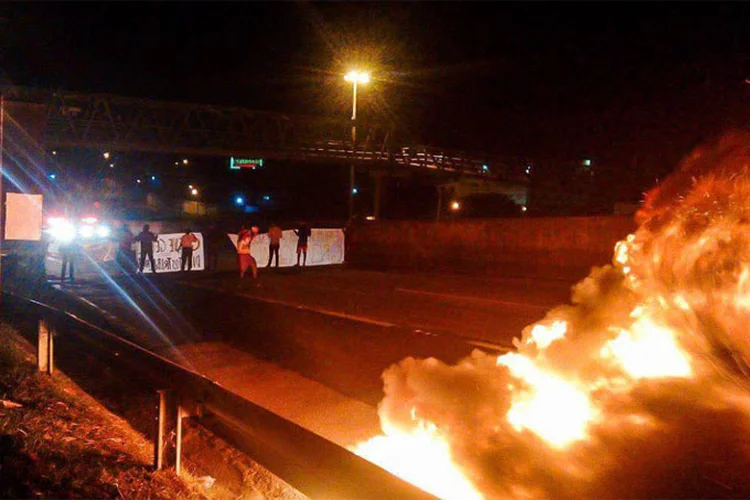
x,y
351,191
378,193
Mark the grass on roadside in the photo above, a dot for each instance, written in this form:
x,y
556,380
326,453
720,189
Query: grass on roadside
x,y
61,443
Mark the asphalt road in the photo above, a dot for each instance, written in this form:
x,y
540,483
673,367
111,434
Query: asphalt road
x,y
338,326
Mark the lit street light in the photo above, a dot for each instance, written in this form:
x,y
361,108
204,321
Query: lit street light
x,y
194,192
354,77
106,155
455,206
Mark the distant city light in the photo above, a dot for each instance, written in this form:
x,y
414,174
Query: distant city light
x,y
239,200
266,198
355,190
190,186
523,208
54,153
153,177
455,206
194,192
528,169
106,155
485,168
52,176
177,163
138,181
370,217
184,161
587,163
111,165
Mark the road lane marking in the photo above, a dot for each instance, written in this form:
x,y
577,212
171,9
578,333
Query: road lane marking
x,y
476,299
302,307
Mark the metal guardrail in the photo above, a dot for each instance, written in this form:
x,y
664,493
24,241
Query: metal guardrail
x,y
310,463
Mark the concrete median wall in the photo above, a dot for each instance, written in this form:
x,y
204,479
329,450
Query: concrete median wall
x,y
556,247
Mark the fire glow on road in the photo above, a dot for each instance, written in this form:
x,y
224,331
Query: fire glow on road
x,y
649,357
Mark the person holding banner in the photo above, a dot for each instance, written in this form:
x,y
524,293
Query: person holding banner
x,y
244,258
274,243
186,244
147,239
303,233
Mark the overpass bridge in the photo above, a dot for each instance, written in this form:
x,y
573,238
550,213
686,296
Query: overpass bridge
x,y
116,123
73,119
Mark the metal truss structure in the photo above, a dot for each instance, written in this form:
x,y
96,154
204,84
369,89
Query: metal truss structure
x,y
133,124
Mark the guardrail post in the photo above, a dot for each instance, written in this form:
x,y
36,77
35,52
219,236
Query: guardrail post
x,y
168,430
45,348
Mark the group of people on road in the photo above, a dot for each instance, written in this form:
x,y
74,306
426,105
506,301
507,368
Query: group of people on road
x,y
245,238
127,260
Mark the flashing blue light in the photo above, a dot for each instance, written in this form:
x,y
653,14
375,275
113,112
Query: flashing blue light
x,y
355,190
266,198
239,200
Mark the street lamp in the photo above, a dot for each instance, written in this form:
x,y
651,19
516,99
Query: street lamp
x,y
354,77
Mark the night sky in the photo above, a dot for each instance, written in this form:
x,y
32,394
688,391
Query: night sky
x,y
634,85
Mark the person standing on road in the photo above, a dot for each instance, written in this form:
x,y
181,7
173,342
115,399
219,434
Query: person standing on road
x,y
125,254
68,251
186,245
244,258
274,243
303,233
146,238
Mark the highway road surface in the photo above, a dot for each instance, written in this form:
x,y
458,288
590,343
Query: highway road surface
x,y
336,326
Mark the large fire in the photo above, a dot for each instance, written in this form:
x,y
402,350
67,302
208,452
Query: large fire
x,y
636,389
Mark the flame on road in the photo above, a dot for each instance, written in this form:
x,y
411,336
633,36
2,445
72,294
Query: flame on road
x,y
643,372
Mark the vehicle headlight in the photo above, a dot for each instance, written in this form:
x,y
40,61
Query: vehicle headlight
x,y
86,231
102,231
62,230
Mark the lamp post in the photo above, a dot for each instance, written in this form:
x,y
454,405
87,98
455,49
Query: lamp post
x,y
355,77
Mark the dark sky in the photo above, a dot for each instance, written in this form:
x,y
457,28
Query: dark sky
x,y
634,84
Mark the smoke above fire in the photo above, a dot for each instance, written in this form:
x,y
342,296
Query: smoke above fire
x,y
637,388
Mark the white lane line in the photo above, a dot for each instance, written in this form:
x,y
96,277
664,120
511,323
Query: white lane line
x,y
476,299
302,307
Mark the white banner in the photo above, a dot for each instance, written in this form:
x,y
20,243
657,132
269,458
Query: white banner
x,y
324,247
23,217
168,254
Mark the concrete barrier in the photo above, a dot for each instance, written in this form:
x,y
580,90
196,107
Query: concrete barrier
x,y
555,247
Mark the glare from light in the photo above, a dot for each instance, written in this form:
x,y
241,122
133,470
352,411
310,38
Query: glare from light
x,y
587,162
89,220
185,161
61,229
266,198
153,177
239,200
111,165
355,190
523,208
357,77
370,217
485,168
103,231
106,155
190,186
86,231
194,192
54,153
138,181
455,206
52,176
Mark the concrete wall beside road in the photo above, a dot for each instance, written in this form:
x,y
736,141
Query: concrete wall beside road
x,y
560,247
